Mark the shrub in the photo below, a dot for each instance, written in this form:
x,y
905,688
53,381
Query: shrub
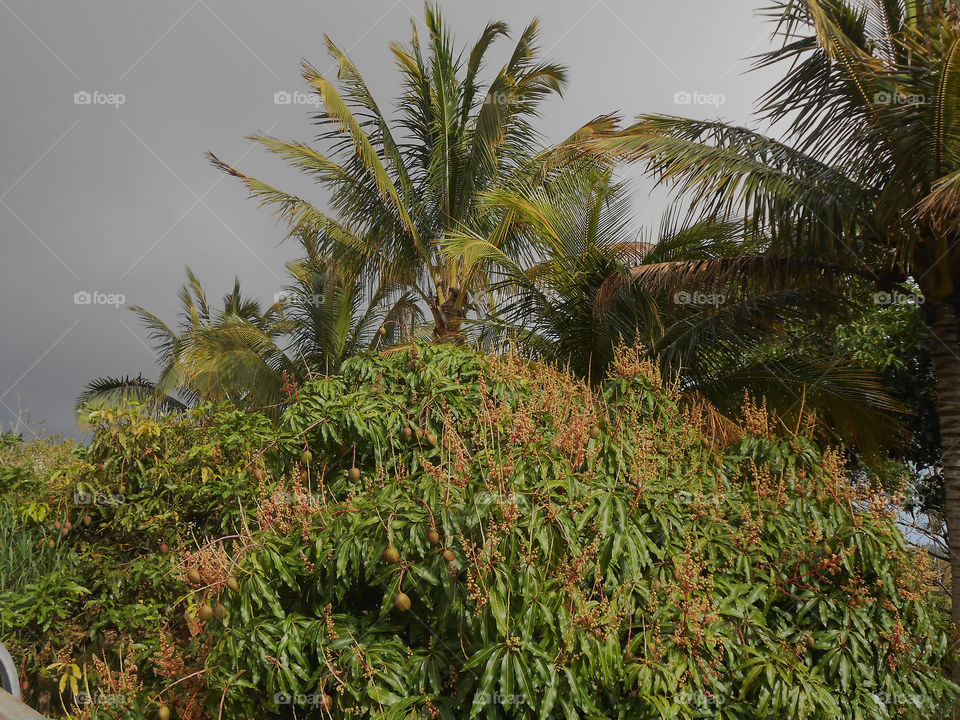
x,y
435,532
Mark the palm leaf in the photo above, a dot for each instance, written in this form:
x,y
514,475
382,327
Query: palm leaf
x,y
119,391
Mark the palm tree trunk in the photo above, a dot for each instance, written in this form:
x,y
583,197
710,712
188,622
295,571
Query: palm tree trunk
x,y
448,316
943,323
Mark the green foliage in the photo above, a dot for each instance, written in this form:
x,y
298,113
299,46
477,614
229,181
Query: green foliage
x,y
608,558
896,341
863,186
583,299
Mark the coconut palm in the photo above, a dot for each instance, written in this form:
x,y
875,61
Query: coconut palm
x,y
865,184
580,228
576,305
333,318
250,356
179,386
397,188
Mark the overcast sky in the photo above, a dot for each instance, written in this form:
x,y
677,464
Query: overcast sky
x,y
107,106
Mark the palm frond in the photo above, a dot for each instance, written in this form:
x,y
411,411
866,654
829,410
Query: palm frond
x,y
119,391
854,405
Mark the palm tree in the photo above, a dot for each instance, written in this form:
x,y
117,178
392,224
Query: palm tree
x,y
580,227
865,186
576,305
334,319
250,356
180,384
397,189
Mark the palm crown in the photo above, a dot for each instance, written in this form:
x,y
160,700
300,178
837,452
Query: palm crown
x,y
398,187
579,301
254,357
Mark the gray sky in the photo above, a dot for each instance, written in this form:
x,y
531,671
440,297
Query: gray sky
x,y
114,196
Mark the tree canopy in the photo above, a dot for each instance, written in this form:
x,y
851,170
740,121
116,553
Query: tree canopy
x,y
437,531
